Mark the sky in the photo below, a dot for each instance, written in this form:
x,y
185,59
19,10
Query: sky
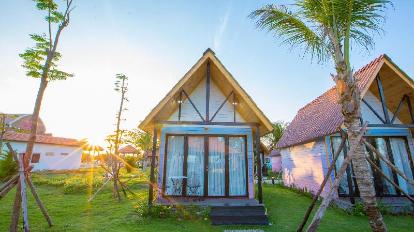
x,y
155,43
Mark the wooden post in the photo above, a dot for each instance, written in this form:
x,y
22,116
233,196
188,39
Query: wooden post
x,y
16,210
325,180
208,81
259,167
383,101
152,177
38,201
23,193
410,109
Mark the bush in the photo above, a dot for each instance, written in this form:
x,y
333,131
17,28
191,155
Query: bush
x,y
8,166
131,163
191,212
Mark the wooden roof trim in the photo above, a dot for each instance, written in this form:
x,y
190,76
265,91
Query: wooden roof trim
x,y
372,78
399,71
246,97
172,92
209,54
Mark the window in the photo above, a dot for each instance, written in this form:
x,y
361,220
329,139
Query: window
x,y
50,153
64,154
35,158
396,150
205,165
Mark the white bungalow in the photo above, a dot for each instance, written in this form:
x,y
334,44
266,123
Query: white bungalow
x,y
49,152
208,129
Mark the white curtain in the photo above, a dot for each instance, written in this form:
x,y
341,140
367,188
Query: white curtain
x,y
195,166
175,161
403,163
388,188
237,166
216,167
343,184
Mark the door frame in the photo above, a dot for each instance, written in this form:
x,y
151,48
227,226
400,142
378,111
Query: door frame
x,y
206,156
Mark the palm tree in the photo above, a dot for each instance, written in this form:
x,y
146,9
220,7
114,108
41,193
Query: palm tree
x,y
274,136
326,29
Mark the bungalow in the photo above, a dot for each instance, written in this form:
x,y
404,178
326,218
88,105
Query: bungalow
x,y
208,129
310,140
49,153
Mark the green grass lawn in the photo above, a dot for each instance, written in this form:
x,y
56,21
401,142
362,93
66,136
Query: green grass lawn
x,y
70,210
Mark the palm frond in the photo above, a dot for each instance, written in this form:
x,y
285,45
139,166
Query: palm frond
x,y
294,31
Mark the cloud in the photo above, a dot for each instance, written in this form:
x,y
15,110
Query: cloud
x,y
220,30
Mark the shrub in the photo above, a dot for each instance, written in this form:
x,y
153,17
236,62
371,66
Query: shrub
x,y
131,163
191,212
8,166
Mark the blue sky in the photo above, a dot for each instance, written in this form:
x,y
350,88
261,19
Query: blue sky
x,y
155,43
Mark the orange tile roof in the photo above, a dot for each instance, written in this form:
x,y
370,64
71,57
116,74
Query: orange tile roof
x,y
323,115
128,150
45,139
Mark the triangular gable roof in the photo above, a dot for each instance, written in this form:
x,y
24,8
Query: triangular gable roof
x,y
323,115
166,106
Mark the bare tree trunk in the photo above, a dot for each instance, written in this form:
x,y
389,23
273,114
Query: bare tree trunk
x,y
34,120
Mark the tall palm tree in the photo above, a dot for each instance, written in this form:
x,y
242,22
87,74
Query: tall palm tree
x,y
326,29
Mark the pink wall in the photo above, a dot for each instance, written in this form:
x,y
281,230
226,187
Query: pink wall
x,y
303,166
276,163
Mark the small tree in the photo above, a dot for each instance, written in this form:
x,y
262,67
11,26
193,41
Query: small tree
x,y
274,136
121,86
141,140
40,62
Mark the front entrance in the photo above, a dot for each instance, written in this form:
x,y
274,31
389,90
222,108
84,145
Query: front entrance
x,y
205,166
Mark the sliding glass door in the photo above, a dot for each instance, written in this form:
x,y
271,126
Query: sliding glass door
x,y
205,165
195,166
216,166
403,161
396,150
174,166
237,166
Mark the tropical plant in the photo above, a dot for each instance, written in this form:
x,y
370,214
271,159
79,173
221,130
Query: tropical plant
x,y
274,136
139,139
8,166
326,29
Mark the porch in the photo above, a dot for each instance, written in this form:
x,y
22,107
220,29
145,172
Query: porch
x,y
222,201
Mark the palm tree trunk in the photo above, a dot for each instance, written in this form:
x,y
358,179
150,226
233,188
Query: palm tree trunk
x,y
350,100
364,180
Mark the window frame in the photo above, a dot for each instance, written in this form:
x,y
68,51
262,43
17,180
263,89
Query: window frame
x,y
206,153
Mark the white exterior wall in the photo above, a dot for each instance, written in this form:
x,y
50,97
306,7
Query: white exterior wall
x,y
198,97
303,165
375,103
55,162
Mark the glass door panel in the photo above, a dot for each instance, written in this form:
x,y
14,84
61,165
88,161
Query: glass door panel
x,y
237,166
402,161
387,187
343,188
216,166
195,166
174,168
